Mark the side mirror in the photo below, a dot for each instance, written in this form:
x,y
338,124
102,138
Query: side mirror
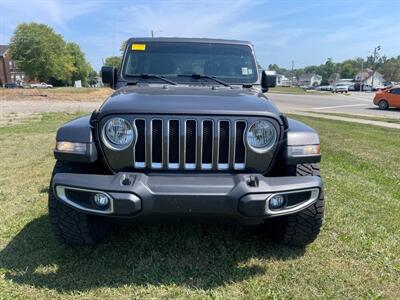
x,y
109,75
267,81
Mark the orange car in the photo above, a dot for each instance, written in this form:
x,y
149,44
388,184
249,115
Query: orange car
x,y
388,98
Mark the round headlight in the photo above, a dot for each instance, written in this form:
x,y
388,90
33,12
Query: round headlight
x,y
261,136
119,133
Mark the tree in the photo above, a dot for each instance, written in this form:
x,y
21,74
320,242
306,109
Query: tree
x,y
92,77
41,53
348,70
81,67
113,61
391,69
122,48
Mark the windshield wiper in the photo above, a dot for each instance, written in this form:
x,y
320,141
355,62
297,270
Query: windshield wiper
x,y
149,76
198,76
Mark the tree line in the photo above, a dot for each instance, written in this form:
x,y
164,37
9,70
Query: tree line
x,y
45,56
330,71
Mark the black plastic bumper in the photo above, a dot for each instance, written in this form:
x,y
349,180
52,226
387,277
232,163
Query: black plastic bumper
x,y
142,197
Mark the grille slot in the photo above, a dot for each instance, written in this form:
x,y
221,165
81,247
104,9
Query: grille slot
x,y
207,145
195,143
173,144
190,147
140,147
156,144
240,148
223,145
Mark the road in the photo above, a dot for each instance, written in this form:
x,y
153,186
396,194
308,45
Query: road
x,y
355,103
12,111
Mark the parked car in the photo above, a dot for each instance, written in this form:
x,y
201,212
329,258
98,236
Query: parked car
x,y
308,87
352,87
187,139
11,85
340,88
378,87
386,98
367,88
41,85
324,88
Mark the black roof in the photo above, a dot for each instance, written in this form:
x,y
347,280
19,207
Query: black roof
x,y
188,40
3,49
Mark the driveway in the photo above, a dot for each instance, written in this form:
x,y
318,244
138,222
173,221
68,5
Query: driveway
x,y
354,103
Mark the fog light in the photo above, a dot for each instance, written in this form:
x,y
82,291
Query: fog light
x,y
276,202
101,200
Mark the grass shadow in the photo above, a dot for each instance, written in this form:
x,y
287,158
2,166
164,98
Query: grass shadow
x,y
196,256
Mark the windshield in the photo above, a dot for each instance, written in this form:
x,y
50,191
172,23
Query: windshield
x,y
230,63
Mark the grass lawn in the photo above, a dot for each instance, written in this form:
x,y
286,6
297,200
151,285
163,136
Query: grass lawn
x,y
363,117
357,254
294,90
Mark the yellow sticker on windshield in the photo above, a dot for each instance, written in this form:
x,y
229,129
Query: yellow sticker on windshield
x,y
139,47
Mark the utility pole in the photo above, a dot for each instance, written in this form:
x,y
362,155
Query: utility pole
x,y
113,36
291,79
362,71
153,32
373,65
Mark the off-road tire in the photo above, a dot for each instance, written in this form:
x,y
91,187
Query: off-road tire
x,y
302,228
70,226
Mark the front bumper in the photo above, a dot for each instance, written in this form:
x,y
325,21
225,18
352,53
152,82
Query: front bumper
x,y
153,197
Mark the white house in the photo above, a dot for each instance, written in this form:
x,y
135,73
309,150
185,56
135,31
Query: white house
x,y
282,80
310,79
365,77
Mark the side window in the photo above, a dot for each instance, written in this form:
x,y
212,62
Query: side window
x,y
395,91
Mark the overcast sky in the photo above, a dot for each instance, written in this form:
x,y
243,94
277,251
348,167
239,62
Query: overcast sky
x,y
307,32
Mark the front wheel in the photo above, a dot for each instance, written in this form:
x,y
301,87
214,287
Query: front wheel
x,y
383,105
70,226
302,228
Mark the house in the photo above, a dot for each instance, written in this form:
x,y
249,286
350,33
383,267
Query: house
x,y
8,70
282,80
310,79
365,77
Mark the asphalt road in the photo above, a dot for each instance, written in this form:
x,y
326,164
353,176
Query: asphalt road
x,y
355,103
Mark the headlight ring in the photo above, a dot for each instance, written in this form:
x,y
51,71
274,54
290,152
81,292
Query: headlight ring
x,y
118,134
261,136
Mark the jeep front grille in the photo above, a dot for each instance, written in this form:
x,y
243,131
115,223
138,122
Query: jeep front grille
x,y
189,143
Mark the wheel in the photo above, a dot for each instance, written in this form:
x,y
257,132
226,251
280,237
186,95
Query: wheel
x,y
70,226
383,105
302,228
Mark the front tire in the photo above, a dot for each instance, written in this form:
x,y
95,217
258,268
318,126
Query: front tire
x,y
383,105
69,226
302,228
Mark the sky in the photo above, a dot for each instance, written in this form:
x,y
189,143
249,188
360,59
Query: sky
x,y
304,31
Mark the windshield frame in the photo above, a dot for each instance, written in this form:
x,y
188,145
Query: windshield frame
x,y
128,78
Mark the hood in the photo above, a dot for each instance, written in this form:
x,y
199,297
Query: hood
x,y
188,100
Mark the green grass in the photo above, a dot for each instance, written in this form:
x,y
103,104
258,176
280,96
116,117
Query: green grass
x,y
357,254
294,90
363,117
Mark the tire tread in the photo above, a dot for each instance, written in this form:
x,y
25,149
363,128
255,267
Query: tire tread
x,y
70,226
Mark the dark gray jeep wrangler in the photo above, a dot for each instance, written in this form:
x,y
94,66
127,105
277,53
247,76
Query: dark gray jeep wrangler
x,y
187,136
